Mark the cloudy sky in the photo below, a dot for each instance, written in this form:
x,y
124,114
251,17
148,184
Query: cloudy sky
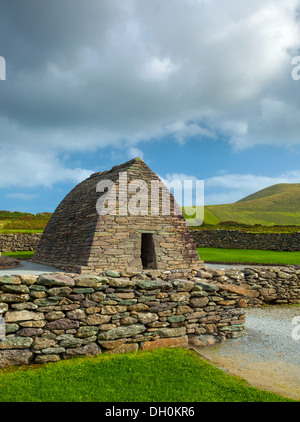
x,y
199,89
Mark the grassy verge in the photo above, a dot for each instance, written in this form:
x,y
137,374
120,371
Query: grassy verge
x,y
248,228
249,256
162,375
22,231
19,254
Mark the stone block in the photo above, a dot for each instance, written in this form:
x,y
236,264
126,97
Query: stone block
x,y
62,324
15,357
122,332
13,341
199,302
86,350
166,342
171,332
124,348
55,280
7,279
16,316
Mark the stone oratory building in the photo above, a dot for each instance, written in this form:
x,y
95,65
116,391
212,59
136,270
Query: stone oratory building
x,y
122,219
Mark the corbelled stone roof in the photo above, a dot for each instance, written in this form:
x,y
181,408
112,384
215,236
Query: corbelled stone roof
x,y
77,238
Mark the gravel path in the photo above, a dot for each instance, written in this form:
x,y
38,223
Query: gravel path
x,y
28,267
267,356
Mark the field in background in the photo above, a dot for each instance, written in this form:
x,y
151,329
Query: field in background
x,y
19,222
277,204
257,228
23,255
249,256
274,209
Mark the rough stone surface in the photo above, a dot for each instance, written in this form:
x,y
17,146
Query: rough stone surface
x,y
13,341
166,342
19,242
79,239
122,332
135,311
17,316
14,357
235,239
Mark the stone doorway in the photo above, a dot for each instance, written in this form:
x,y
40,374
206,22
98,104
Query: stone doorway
x,y
148,256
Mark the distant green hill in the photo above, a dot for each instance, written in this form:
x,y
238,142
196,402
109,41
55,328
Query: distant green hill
x,y
18,222
275,205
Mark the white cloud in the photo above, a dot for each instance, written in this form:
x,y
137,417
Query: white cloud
x,y
22,196
134,152
28,169
158,69
121,73
229,188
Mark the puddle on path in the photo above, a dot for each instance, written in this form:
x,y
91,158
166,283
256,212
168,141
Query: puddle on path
x,y
267,356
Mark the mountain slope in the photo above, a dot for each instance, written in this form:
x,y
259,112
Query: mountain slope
x,y
277,204
284,197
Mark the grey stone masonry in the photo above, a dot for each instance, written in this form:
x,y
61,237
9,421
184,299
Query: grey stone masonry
x,y
19,242
61,315
78,239
235,239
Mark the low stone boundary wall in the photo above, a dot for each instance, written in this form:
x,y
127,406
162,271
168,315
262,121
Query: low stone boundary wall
x,y
58,316
235,239
19,242
265,285
231,239
61,315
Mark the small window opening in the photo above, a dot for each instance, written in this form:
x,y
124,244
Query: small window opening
x,y
148,252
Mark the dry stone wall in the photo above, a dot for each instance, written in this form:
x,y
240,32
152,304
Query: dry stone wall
x,y
62,315
232,239
58,316
235,239
19,242
265,285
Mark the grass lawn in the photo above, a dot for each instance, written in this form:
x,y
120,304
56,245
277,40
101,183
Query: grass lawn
x,y
22,231
161,375
19,254
249,256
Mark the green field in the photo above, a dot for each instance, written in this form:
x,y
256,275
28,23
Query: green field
x,y
19,255
276,208
19,222
277,204
161,375
249,256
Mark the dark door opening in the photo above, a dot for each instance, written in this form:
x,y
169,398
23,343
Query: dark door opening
x,y
148,252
